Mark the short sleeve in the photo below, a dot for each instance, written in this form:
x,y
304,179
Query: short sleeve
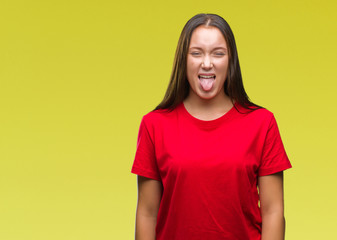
x,y
274,157
144,163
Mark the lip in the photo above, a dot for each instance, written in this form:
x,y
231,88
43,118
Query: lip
x,y
206,74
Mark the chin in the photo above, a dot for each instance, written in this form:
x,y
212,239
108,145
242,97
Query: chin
x,y
207,96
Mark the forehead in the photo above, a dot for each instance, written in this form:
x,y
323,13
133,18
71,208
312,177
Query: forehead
x,y
209,36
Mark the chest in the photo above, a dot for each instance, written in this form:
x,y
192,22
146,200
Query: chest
x,y
215,152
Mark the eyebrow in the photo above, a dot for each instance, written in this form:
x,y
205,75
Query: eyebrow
x,y
213,48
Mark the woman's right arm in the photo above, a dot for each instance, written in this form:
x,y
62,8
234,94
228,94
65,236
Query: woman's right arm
x,y
149,197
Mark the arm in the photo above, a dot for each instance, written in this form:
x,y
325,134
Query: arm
x,y
272,206
149,197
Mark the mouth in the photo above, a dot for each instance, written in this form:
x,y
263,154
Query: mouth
x,y
206,81
207,76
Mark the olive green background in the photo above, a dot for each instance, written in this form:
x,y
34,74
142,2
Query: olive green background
x,y
77,76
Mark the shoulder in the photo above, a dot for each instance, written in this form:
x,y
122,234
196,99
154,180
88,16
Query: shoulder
x,y
159,117
259,116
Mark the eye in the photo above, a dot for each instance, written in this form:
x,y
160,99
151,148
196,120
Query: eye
x,y
219,53
195,53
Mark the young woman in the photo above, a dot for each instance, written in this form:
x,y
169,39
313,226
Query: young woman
x,y
209,161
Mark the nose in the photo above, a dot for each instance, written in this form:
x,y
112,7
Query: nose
x,y
206,63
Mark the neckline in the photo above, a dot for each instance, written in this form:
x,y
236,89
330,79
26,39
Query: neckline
x,y
209,123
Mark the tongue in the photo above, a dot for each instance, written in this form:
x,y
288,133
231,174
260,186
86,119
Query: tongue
x,y
206,83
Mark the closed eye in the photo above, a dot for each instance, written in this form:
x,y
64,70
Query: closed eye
x,y
195,53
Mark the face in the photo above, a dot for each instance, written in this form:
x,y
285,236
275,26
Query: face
x,y
207,63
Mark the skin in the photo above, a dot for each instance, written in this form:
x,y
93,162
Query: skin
x,y
208,54
272,206
149,197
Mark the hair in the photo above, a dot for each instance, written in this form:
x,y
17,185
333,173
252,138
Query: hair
x,y
178,87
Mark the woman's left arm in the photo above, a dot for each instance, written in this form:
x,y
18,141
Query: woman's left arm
x,y
272,206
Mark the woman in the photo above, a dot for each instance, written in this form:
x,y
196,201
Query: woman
x,y
209,161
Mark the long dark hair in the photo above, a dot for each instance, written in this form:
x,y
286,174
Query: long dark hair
x,y
178,88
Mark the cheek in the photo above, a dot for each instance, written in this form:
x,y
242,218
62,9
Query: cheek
x,y
222,63
222,68
192,67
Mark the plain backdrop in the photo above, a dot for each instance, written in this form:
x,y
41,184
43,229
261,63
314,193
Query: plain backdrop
x,y
77,76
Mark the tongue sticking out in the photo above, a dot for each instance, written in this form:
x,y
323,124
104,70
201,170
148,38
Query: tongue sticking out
x,y
206,83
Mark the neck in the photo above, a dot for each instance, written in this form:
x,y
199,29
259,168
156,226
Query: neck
x,y
219,103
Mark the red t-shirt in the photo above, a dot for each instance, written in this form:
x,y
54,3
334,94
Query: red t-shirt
x,y
209,170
